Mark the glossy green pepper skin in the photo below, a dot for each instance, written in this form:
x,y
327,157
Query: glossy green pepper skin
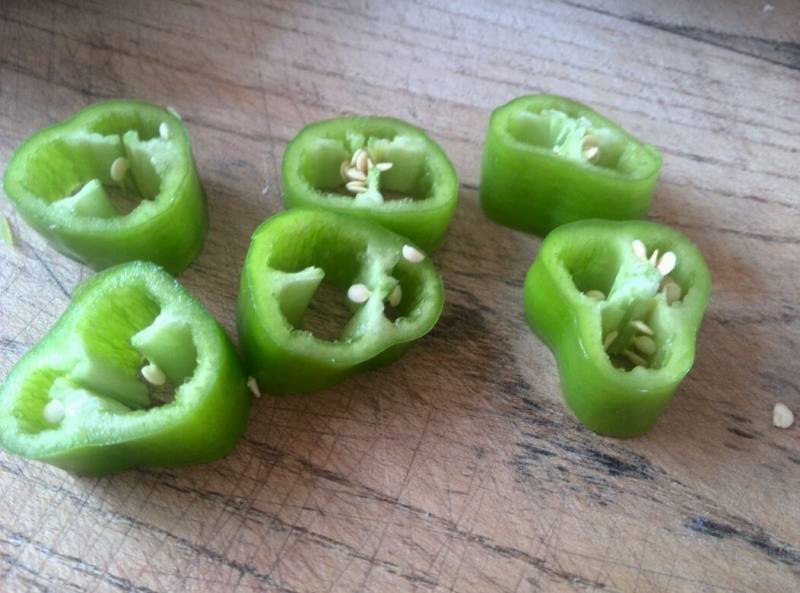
x,y
415,198
152,207
290,255
613,382
78,400
548,160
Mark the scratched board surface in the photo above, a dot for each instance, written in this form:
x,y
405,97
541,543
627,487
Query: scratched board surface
x,y
457,468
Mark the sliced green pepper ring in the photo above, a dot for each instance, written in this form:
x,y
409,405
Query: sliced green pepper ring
x,y
549,160
380,168
135,373
115,183
619,304
380,273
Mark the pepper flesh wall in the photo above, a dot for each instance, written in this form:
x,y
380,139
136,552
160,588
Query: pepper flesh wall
x,y
86,398
290,256
619,303
549,160
115,183
378,168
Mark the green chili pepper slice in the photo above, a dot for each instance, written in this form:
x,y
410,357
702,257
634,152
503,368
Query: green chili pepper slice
x,y
393,291
619,304
548,160
376,167
115,183
135,373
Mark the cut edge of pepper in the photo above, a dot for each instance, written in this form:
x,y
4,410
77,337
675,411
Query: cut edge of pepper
x,y
499,122
303,342
589,312
30,203
112,416
438,166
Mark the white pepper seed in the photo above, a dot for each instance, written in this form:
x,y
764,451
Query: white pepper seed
x,y
635,358
356,187
355,175
361,162
358,293
54,412
782,416
356,155
396,296
672,290
412,254
252,385
642,327
610,337
119,168
644,344
667,263
153,374
639,250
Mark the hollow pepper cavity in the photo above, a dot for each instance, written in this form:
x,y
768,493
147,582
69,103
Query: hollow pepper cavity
x,y
375,167
393,291
115,183
548,160
135,373
619,304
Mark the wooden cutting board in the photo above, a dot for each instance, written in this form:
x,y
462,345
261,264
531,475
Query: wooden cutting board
x,y
458,468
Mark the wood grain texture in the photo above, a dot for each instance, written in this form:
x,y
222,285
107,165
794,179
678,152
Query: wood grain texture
x,y
457,468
